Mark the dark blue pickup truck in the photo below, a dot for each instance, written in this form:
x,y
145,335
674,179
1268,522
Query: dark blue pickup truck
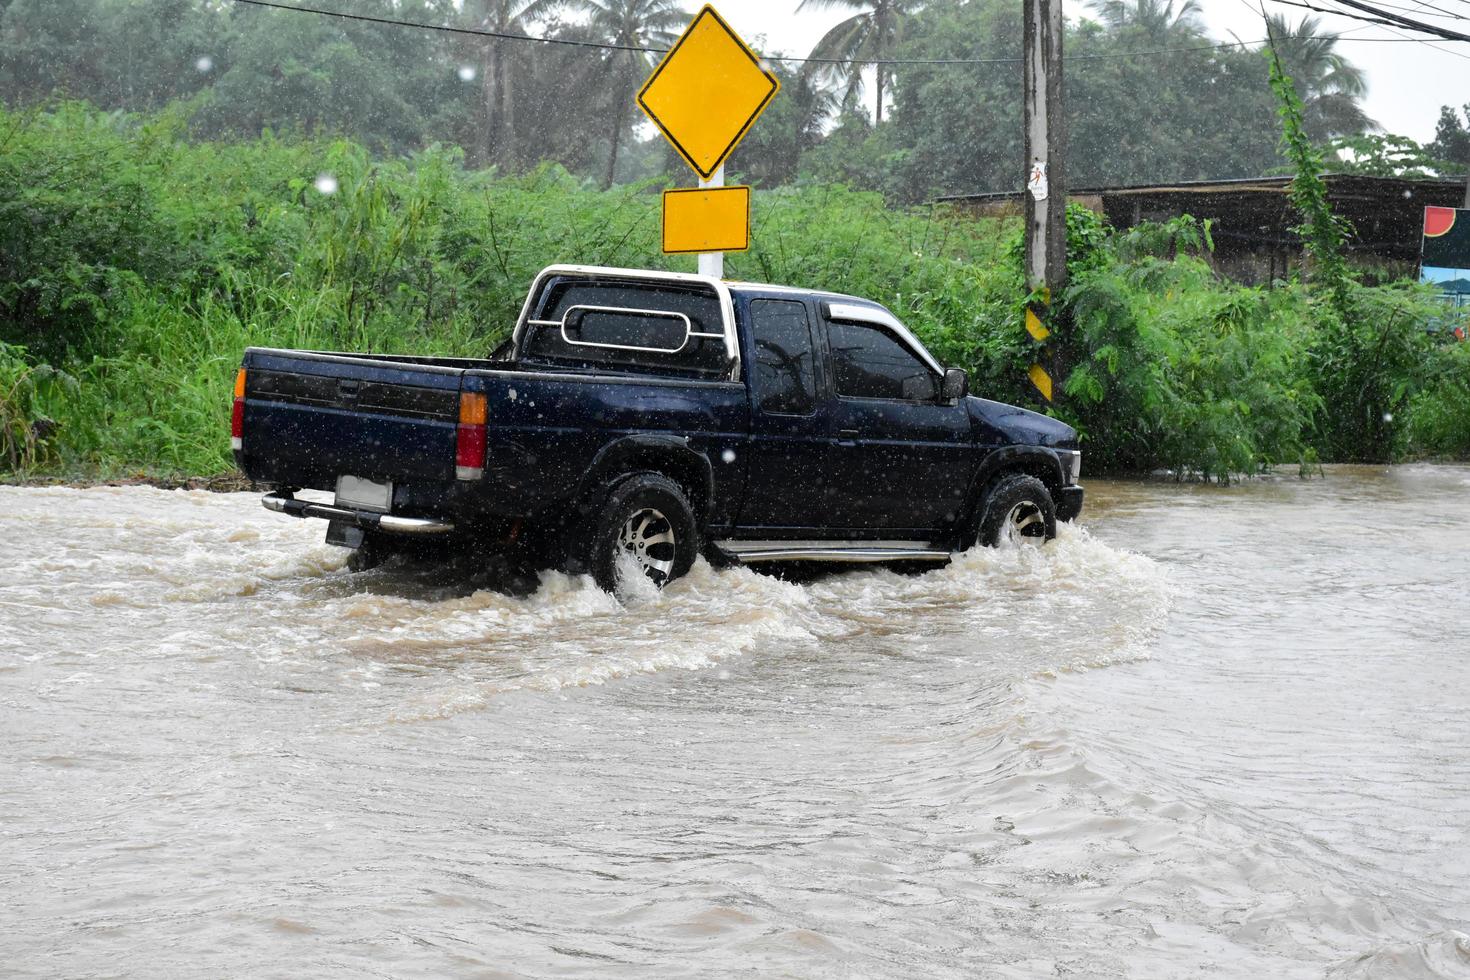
x,y
637,419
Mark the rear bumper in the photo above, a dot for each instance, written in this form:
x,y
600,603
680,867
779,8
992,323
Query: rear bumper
x,y
1069,503
367,520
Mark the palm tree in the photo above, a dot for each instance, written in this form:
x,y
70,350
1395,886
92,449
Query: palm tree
x,y
867,38
1156,18
630,24
1329,85
497,131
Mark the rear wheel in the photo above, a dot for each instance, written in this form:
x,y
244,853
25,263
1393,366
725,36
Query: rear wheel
x,y
646,527
371,553
1017,511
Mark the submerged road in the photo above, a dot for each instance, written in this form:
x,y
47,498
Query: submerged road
x,y
1213,732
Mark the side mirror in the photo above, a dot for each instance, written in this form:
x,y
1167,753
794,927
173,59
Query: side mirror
x,y
956,385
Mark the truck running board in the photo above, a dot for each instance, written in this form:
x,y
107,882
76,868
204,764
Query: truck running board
x,y
283,504
852,551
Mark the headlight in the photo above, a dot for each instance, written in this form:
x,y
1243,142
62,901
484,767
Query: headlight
x,y
1072,466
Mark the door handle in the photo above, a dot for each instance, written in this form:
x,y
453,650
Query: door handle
x,y
847,437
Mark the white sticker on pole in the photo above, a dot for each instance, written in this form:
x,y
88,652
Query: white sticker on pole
x,y
1036,180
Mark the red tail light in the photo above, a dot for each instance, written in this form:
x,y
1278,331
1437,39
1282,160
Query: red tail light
x,y
469,437
237,416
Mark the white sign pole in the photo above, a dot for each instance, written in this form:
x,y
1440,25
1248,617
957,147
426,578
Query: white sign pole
x,y
713,263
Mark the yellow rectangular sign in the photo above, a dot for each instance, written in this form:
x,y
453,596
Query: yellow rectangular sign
x,y
706,219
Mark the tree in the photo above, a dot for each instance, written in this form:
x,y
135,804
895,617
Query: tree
x,y
50,47
634,26
867,38
157,52
1328,84
1131,118
293,72
790,127
1172,112
1156,18
495,137
563,92
1383,155
960,126
1452,140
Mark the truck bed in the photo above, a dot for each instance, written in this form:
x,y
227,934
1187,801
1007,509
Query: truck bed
x,y
312,417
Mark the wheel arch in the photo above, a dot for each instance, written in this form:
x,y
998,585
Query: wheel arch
x,y
669,456
1036,461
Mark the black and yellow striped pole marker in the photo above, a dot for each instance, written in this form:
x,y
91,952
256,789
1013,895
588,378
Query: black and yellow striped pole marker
x,y
1038,310
1045,195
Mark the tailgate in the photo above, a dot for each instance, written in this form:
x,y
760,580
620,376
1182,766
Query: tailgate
x,y
310,418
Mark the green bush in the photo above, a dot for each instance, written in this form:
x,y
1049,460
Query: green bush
x,y
1182,371
1439,412
1369,368
28,390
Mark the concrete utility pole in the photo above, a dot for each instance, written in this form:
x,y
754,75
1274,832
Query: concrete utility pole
x,y
1046,142
1046,184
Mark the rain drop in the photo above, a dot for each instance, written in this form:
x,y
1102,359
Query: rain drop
x,y
326,183
467,73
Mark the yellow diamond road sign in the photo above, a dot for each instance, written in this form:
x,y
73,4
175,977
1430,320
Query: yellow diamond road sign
x,y
707,92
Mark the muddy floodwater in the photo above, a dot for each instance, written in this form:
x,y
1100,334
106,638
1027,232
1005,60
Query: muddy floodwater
x,y
1211,732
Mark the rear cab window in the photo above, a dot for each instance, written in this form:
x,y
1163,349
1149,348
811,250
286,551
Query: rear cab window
x,y
660,328
783,370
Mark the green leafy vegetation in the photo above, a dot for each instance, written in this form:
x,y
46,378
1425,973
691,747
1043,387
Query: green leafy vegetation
x,y
129,290
25,430
1371,346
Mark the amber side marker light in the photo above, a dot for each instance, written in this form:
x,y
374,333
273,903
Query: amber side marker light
x,y
237,416
469,437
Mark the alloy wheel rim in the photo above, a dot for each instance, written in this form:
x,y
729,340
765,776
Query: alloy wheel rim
x,y
1025,524
649,537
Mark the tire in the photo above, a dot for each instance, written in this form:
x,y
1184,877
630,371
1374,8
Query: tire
x,y
1017,510
648,516
370,554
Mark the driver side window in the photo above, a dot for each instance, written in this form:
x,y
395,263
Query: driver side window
x,y
872,363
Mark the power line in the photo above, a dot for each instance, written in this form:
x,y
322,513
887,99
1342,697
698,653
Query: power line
x,y
1377,15
1403,21
1425,9
1431,44
448,29
1290,3
608,46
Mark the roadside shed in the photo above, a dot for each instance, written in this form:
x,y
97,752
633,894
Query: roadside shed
x,y
1251,218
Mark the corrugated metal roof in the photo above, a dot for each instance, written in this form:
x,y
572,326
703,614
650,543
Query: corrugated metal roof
x,y
1261,185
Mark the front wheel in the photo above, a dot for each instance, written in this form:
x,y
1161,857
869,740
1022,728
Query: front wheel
x,y
645,527
1018,511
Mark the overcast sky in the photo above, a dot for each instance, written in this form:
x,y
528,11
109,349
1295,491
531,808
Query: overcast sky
x,y
1407,82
